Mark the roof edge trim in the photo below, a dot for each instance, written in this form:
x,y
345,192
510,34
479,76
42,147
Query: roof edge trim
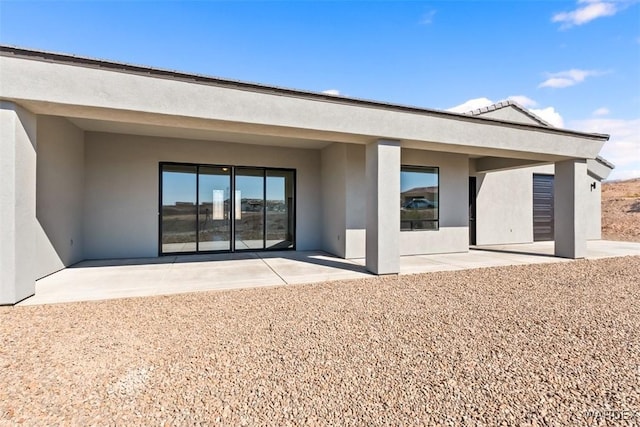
x,y
47,56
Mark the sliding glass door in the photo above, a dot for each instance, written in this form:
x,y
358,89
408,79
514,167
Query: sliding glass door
x,y
279,209
179,214
214,205
207,208
249,227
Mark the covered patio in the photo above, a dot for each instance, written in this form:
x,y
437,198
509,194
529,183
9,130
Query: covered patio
x,y
141,277
113,161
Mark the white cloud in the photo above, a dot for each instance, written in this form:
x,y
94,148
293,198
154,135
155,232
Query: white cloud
x,y
586,11
549,115
523,100
470,105
602,111
331,92
427,18
568,78
622,149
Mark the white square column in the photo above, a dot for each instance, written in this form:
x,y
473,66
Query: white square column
x,y
570,205
17,203
383,207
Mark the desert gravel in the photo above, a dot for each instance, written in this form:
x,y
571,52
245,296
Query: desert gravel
x,y
524,345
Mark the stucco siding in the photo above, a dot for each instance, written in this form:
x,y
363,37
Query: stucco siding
x,y
333,160
594,208
453,234
121,190
356,227
99,93
18,145
504,206
59,194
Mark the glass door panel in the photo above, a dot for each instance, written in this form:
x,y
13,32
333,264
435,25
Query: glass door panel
x,y
178,228
249,209
279,209
214,204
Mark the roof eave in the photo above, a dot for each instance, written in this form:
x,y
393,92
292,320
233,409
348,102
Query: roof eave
x,y
42,55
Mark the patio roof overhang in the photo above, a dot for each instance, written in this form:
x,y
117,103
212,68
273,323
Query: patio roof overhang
x,y
111,97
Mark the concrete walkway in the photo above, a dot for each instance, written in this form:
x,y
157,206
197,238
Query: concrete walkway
x,y
106,279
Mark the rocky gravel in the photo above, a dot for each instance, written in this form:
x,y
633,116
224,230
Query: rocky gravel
x,y
549,344
621,210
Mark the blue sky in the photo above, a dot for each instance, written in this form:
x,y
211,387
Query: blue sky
x,y
575,63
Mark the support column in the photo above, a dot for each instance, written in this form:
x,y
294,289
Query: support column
x,y
17,203
570,204
383,207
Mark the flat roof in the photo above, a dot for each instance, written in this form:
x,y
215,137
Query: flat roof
x,y
47,56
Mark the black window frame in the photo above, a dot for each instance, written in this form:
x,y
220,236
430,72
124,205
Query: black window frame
x,y
232,170
436,222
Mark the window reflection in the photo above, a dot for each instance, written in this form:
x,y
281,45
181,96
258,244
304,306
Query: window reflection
x,y
419,198
209,208
178,208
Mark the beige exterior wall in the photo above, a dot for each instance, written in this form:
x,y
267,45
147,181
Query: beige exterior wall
x,y
121,188
59,194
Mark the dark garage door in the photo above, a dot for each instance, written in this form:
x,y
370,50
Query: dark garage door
x,y
542,207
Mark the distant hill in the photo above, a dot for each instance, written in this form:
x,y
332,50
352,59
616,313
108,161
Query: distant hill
x,y
621,210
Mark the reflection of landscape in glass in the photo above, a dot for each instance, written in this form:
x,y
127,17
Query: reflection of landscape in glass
x,y
279,209
178,212
249,227
419,198
214,225
254,214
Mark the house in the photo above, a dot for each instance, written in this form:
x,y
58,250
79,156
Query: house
x,y
106,160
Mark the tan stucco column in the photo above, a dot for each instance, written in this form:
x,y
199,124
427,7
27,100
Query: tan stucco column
x,y
17,203
383,207
570,203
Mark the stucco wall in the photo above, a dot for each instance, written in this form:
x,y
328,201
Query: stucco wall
x,y
18,133
356,227
59,194
594,209
334,166
504,206
99,93
121,188
453,235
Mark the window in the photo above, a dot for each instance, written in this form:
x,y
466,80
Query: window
x,y
419,197
208,208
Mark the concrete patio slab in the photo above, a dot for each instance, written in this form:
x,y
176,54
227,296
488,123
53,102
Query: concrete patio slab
x,y
122,278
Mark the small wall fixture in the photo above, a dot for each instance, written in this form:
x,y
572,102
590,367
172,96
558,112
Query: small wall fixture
x,y
593,186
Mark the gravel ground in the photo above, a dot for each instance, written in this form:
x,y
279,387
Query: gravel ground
x,y
525,345
621,210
